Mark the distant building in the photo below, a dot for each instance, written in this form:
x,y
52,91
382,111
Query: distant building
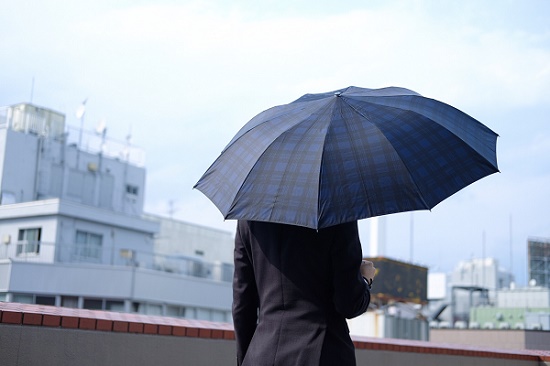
x,y
398,295
538,257
73,232
483,273
472,283
515,308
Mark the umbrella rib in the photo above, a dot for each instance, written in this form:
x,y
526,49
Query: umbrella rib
x,y
426,205
356,154
397,153
438,123
285,172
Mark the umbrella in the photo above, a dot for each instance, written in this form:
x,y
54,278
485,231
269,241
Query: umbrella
x,y
349,154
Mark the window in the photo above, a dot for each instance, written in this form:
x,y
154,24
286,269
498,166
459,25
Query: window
x,y
88,245
147,308
203,314
175,311
217,316
132,189
114,305
23,298
93,304
45,300
69,301
28,241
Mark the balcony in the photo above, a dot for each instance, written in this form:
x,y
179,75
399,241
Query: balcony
x,y
44,335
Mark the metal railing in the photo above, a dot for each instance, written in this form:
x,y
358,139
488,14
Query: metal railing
x,y
51,124
177,264
95,142
27,247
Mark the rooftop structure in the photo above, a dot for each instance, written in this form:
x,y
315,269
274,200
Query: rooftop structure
x,y
538,256
73,231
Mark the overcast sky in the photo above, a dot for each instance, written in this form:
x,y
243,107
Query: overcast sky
x,y
184,76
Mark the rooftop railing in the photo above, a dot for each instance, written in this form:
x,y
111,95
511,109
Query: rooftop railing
x,y
185,265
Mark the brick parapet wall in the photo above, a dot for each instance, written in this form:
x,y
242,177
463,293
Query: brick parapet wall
x,y
104,321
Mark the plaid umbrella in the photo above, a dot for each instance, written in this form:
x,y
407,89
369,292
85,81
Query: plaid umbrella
x,y
346,155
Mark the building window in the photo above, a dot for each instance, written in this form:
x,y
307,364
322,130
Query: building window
x,y
93,304
45,300
114,305
146,308
88,245
28,241
69,301
23,298
132,189
174,311
202,314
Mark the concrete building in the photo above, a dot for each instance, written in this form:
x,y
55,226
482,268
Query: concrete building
x,y
73,232
397,300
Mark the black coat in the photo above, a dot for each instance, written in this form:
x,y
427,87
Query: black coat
x,y
292,290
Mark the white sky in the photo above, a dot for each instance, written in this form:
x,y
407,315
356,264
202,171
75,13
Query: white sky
x,y
184,76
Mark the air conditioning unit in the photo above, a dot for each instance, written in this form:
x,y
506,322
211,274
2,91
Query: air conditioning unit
x,y
460,324
535,326
473,325
519,326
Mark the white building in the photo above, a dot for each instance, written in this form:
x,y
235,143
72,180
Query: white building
x,y
73,232
524,297
484,272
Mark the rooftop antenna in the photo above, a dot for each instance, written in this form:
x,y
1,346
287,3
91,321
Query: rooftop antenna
x,y
101,129
80,112
126,151
171,209
483,260
511,248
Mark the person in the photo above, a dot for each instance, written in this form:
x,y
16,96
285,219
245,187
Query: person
x,y
293,287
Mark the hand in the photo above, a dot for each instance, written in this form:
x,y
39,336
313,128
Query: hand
x,y
368,270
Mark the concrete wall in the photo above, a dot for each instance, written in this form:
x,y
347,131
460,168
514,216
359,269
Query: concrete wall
x,y
29,345
41,335
21,345
502,339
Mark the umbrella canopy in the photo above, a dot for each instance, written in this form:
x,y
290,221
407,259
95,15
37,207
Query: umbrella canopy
x,y
346,155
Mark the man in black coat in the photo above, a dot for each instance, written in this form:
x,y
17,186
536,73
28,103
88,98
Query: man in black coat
x,y
293,289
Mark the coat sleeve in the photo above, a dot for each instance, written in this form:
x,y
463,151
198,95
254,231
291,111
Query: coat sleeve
x,y
351,292
245,294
